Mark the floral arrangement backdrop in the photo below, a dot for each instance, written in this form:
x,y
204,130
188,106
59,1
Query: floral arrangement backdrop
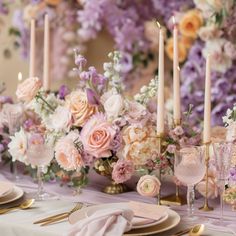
x,y
204,27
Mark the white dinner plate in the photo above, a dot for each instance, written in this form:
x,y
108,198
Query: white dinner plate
x,y
171,221
5,188
14,195
138,222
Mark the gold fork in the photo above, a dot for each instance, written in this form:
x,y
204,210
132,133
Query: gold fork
x,y
60,216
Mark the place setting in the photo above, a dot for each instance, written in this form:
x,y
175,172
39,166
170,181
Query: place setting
x,y
120,120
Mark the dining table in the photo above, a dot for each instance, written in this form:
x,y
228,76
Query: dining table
x,y
20,222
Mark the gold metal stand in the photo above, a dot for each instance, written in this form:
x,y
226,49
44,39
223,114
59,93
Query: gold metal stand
x,y
159,138
174,199
206,206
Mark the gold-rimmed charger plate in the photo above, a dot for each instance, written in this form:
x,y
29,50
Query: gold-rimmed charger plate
x,y
172,221
13,196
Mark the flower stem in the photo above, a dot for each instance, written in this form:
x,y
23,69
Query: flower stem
x,y
38,96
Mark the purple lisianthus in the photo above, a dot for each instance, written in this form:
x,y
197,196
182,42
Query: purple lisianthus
x,y
92,97
5,99
122,171
63,91
116,143
232,174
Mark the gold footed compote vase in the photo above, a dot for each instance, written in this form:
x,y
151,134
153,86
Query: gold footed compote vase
x,y
104,167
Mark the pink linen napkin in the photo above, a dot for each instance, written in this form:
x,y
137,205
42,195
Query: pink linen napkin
x,y
105,222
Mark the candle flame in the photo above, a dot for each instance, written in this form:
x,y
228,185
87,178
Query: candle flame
x,y
158,24
178,68
174,21
19,76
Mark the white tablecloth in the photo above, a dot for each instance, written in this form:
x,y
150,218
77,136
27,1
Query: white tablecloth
x,y
20,223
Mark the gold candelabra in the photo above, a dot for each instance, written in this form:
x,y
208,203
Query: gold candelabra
x,y
206,206
174,199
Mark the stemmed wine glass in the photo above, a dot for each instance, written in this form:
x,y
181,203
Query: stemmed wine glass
x,y
190,168
40,155
222,155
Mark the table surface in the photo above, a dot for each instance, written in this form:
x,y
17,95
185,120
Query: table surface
x,y
20,223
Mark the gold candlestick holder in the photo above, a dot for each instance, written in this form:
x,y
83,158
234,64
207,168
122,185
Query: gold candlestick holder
x,y
206,206
159,138
174,199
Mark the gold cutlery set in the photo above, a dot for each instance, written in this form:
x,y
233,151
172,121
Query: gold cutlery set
x,y
59,217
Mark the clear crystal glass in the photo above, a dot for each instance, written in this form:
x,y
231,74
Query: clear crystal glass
x,y
40,155
190,169
222,160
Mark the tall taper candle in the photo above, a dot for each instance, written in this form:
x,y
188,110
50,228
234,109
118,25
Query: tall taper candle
x,y
176,80
32,49
46,59
161,92
207,103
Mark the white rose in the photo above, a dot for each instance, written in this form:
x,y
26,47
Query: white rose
x,y
215,47
114,105
60,120
209,32
231,132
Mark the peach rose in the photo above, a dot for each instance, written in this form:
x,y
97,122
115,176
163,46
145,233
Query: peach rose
x,y
182,50
28,89
52,2
66,153
190,23
80,108
186,41
212,186
148,186
97,135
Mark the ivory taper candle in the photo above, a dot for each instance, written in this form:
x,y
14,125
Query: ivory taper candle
x,y
46,54
207,102
32,49
176,73
161,92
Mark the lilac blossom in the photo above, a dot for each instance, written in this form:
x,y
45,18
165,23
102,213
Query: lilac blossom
x,y
232,174
122,171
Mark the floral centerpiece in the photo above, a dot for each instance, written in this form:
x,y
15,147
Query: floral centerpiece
x,y
92,126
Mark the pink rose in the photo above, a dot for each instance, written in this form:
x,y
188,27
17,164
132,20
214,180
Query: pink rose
x,y
28,89
97,136
66,153
148,186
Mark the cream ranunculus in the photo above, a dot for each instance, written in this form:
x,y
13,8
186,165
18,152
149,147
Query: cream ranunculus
x,y
114,106
148,186
209,32
28,89
60,120
80,108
